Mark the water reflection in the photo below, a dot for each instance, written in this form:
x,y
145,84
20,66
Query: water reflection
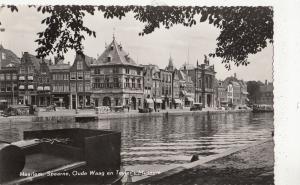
x,y
161,141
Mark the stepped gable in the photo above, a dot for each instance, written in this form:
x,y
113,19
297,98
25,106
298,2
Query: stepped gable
x,y
115,54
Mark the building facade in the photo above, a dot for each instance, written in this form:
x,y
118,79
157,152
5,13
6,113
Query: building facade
x,y
80,81
9,64
203,77
60,82
236,91
266,94
28,79
116,79
43,85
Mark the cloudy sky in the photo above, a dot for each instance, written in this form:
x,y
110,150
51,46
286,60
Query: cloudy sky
x,y
184,44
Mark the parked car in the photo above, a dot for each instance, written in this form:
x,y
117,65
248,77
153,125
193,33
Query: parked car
x,y
196,106
145,110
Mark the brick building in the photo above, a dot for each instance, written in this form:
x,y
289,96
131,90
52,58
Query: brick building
x,y
60,82
116,78
9,63
80,81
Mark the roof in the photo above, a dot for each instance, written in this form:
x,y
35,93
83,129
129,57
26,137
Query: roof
x,y
27,57
115,54
10,57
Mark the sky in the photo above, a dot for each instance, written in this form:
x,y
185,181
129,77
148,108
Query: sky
x,y
183,44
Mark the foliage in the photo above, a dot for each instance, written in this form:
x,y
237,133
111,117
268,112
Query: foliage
x,y
243,30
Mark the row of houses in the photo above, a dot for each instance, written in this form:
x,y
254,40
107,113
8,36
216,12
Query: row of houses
x,y
113,79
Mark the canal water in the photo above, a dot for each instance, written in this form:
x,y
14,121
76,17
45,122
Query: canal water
x,y
160,143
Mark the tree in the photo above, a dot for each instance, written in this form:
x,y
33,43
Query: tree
x,y
244,30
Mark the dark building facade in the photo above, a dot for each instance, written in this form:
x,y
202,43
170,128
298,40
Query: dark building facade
x,y
9,64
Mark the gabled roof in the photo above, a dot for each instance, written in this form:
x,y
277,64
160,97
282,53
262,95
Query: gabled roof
x,y
115,54
10,57
27,57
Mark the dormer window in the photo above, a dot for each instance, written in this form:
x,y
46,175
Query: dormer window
x,y
109,59
111,47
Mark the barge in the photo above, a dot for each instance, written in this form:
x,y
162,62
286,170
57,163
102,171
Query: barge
x,y
62,156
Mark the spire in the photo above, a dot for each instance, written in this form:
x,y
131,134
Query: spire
x,y
114,30
170,65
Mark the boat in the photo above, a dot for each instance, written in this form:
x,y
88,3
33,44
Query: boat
x,y
62,156
259,108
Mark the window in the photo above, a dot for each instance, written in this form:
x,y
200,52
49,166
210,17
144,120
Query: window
x,y
14,76
139,102
73,75
138,72
87,75
115,70
73,87
8,76
116,82
3,56
8,88
87,87
2,87
22,70
133,83
80,75
80,87
2,77
97,71
66,76
139,83
79,65
108,58
127,82
127,71
66,88
30,69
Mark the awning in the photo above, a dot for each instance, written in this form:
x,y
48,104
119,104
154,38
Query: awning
x,y
21,87
47,88
21,78
189,99
245,92
30,86
148,100
158,100
30,77
40,88
177,101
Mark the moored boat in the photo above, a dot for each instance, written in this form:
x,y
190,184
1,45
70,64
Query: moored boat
x,y
62,156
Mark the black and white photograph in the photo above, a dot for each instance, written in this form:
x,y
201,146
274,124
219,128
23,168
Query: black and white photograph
x,y
134,94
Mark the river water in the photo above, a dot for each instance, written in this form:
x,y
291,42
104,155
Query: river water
x,y
158,143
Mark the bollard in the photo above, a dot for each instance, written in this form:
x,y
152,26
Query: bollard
x,y
194,158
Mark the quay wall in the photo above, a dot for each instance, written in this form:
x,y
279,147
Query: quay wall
x,y
56,117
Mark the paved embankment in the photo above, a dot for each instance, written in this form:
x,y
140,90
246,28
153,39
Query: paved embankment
x,y
69,115
248,165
